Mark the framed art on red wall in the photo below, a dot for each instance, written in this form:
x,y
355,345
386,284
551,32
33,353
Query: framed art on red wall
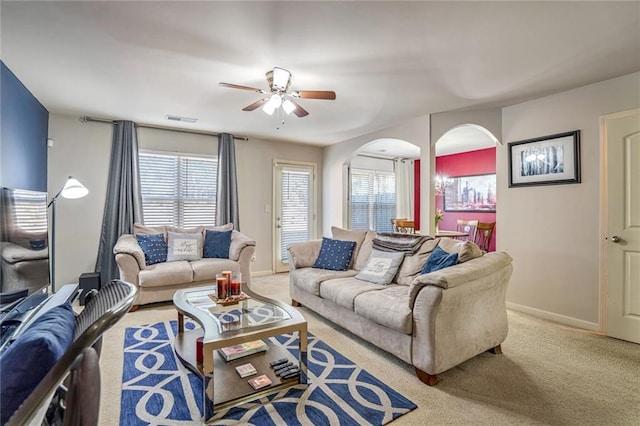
x,y
475,193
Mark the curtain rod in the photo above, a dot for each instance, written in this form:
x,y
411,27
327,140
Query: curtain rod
x,y
86,119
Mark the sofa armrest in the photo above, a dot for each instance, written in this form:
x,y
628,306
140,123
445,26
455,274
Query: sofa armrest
x,y
457,316
461,273
128,245
303,255
238,243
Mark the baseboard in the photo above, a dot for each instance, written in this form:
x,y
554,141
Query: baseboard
x,y
551,316
261,273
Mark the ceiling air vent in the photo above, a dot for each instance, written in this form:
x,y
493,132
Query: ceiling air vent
x,y
181,119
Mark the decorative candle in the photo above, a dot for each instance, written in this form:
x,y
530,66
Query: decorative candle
x,y
236,279
222,281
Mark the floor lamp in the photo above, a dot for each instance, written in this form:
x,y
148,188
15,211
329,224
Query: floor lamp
x,y
72,189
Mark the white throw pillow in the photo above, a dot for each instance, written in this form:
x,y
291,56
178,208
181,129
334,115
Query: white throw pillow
x,y
381,267
184,246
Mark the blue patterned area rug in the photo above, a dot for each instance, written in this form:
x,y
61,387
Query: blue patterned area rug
x,y
157,389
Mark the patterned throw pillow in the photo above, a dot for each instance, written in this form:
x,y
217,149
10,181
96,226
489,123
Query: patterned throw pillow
x,y
335,255
381,267
216,244
153,247
184,246
439,259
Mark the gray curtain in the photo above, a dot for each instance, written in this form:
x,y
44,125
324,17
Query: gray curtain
x,y
123,204
227,197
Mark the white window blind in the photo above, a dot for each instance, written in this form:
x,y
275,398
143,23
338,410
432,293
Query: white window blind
x,y
178,190
373,199
296,208
30,210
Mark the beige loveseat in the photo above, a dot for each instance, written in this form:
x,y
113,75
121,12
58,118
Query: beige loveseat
x,y
433,321
158,282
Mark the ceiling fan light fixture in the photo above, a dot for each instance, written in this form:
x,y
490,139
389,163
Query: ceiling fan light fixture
x,y
288,106
281,79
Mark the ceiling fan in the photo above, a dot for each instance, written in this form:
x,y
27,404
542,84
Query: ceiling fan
x,y
279,81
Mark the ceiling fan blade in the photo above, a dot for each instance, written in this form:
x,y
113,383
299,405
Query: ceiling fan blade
x,y
237,86
255,105
299,111
315,94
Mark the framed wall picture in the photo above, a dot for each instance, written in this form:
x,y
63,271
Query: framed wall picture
x,y
547,160
475,193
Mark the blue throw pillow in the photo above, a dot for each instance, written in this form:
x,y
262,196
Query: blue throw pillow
x,y
216,244
25,363
154,248
439,259
335,255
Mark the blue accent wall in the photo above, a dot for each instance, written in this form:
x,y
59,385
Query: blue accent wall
x,y
24,126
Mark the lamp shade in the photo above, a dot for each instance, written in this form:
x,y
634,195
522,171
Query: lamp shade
x,y
73,189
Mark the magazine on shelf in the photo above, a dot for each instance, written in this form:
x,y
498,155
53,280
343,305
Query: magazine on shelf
x,y
246,370
243,349
260,382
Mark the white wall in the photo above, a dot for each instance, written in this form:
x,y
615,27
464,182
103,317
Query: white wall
x,y
83,150
335,158
553,232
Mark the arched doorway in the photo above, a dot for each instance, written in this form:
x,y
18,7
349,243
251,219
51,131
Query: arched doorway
x,y
383,180
465,177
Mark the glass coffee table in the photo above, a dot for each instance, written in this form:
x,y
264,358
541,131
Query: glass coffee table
x,y
222,326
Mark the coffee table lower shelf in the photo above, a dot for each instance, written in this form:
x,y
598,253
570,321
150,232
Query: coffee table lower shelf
x,y
230,388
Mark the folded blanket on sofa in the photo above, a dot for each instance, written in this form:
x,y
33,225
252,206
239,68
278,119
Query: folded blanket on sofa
x,y
406,243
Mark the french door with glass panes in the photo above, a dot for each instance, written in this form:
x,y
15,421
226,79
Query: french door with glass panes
x,y
294,212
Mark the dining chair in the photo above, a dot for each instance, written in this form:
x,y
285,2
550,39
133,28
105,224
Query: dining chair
x,y
406,226
468,226
394,223
484,232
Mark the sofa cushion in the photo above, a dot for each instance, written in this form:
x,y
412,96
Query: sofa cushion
x,y
206,269
350,235
216,244
139,228
466,250
153,247
183,246
365,250
193,230
335,255
32,355
225,227
439,259
382,267
388,307
412,265
166,273
343,291
310,279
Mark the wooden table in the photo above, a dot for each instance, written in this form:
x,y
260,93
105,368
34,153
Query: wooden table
x,y
251,319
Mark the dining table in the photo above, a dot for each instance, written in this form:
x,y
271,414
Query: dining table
x,y
443,233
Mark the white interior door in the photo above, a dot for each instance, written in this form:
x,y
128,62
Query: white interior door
x,y
294,208
622,133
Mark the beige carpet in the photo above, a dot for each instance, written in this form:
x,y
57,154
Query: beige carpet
x,y
548,374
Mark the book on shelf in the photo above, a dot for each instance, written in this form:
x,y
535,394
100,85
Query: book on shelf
x,y
246,370
243,349
259,382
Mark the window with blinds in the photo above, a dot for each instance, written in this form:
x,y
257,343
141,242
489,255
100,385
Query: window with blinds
x,y
373,199
178,190
30,211
296,208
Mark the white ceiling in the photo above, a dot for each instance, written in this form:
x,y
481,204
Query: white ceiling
x,y
386,61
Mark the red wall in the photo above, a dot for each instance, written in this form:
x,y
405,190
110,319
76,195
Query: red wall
x,y
478,162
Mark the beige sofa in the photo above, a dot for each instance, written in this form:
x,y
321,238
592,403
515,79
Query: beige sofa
x,y
433,321
158,282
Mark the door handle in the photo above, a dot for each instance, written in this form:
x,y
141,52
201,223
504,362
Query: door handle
x,y
615,239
